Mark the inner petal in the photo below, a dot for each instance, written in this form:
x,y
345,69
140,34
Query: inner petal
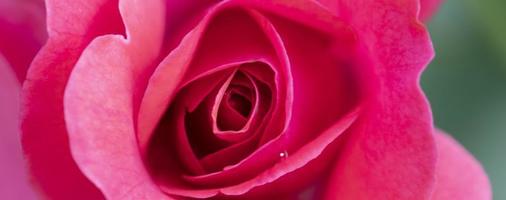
x,y
239,101
236,105
272,113
212,93
325,86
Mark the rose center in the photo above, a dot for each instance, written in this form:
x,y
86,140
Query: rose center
x,y
236,104
239,103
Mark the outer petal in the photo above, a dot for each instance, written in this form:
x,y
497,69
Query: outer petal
x,y
71,25
99,103
391,153
458,174
428,8
13,180
22,32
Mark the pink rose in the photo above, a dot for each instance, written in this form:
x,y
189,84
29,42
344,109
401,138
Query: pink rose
x,y
243,99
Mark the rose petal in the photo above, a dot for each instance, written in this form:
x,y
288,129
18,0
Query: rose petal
x,y
14,180
288,140
233,153
181,18
266,154
99,107
323,83
458,174
71,25
205,65
227,116
332,5
307,13
260,99
196,54
252,167
190,113
257,157
194,125
284,165
299,159
194,133
163,82
428,8
22,32
392,155
282,90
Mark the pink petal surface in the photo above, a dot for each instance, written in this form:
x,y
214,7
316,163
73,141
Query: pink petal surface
x,y
391,155
199,123
234,151
428,8
155,98
163,82
273,148
44,139
245,170
298,159
22,32
232,54
193,130
228,122
285,165
323,83
14,182
103,138
198,130
192,126
196,54
458,174
170,140
99,100
304,46
234,49
232,154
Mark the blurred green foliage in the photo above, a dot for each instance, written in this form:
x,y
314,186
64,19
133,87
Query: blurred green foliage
x,y
466,82
491,16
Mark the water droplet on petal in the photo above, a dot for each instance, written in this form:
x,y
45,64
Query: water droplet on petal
x,y
283,154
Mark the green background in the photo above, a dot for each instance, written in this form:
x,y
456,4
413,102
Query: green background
x,y
466,82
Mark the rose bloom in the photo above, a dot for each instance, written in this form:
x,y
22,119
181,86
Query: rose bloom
x,y
232,99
